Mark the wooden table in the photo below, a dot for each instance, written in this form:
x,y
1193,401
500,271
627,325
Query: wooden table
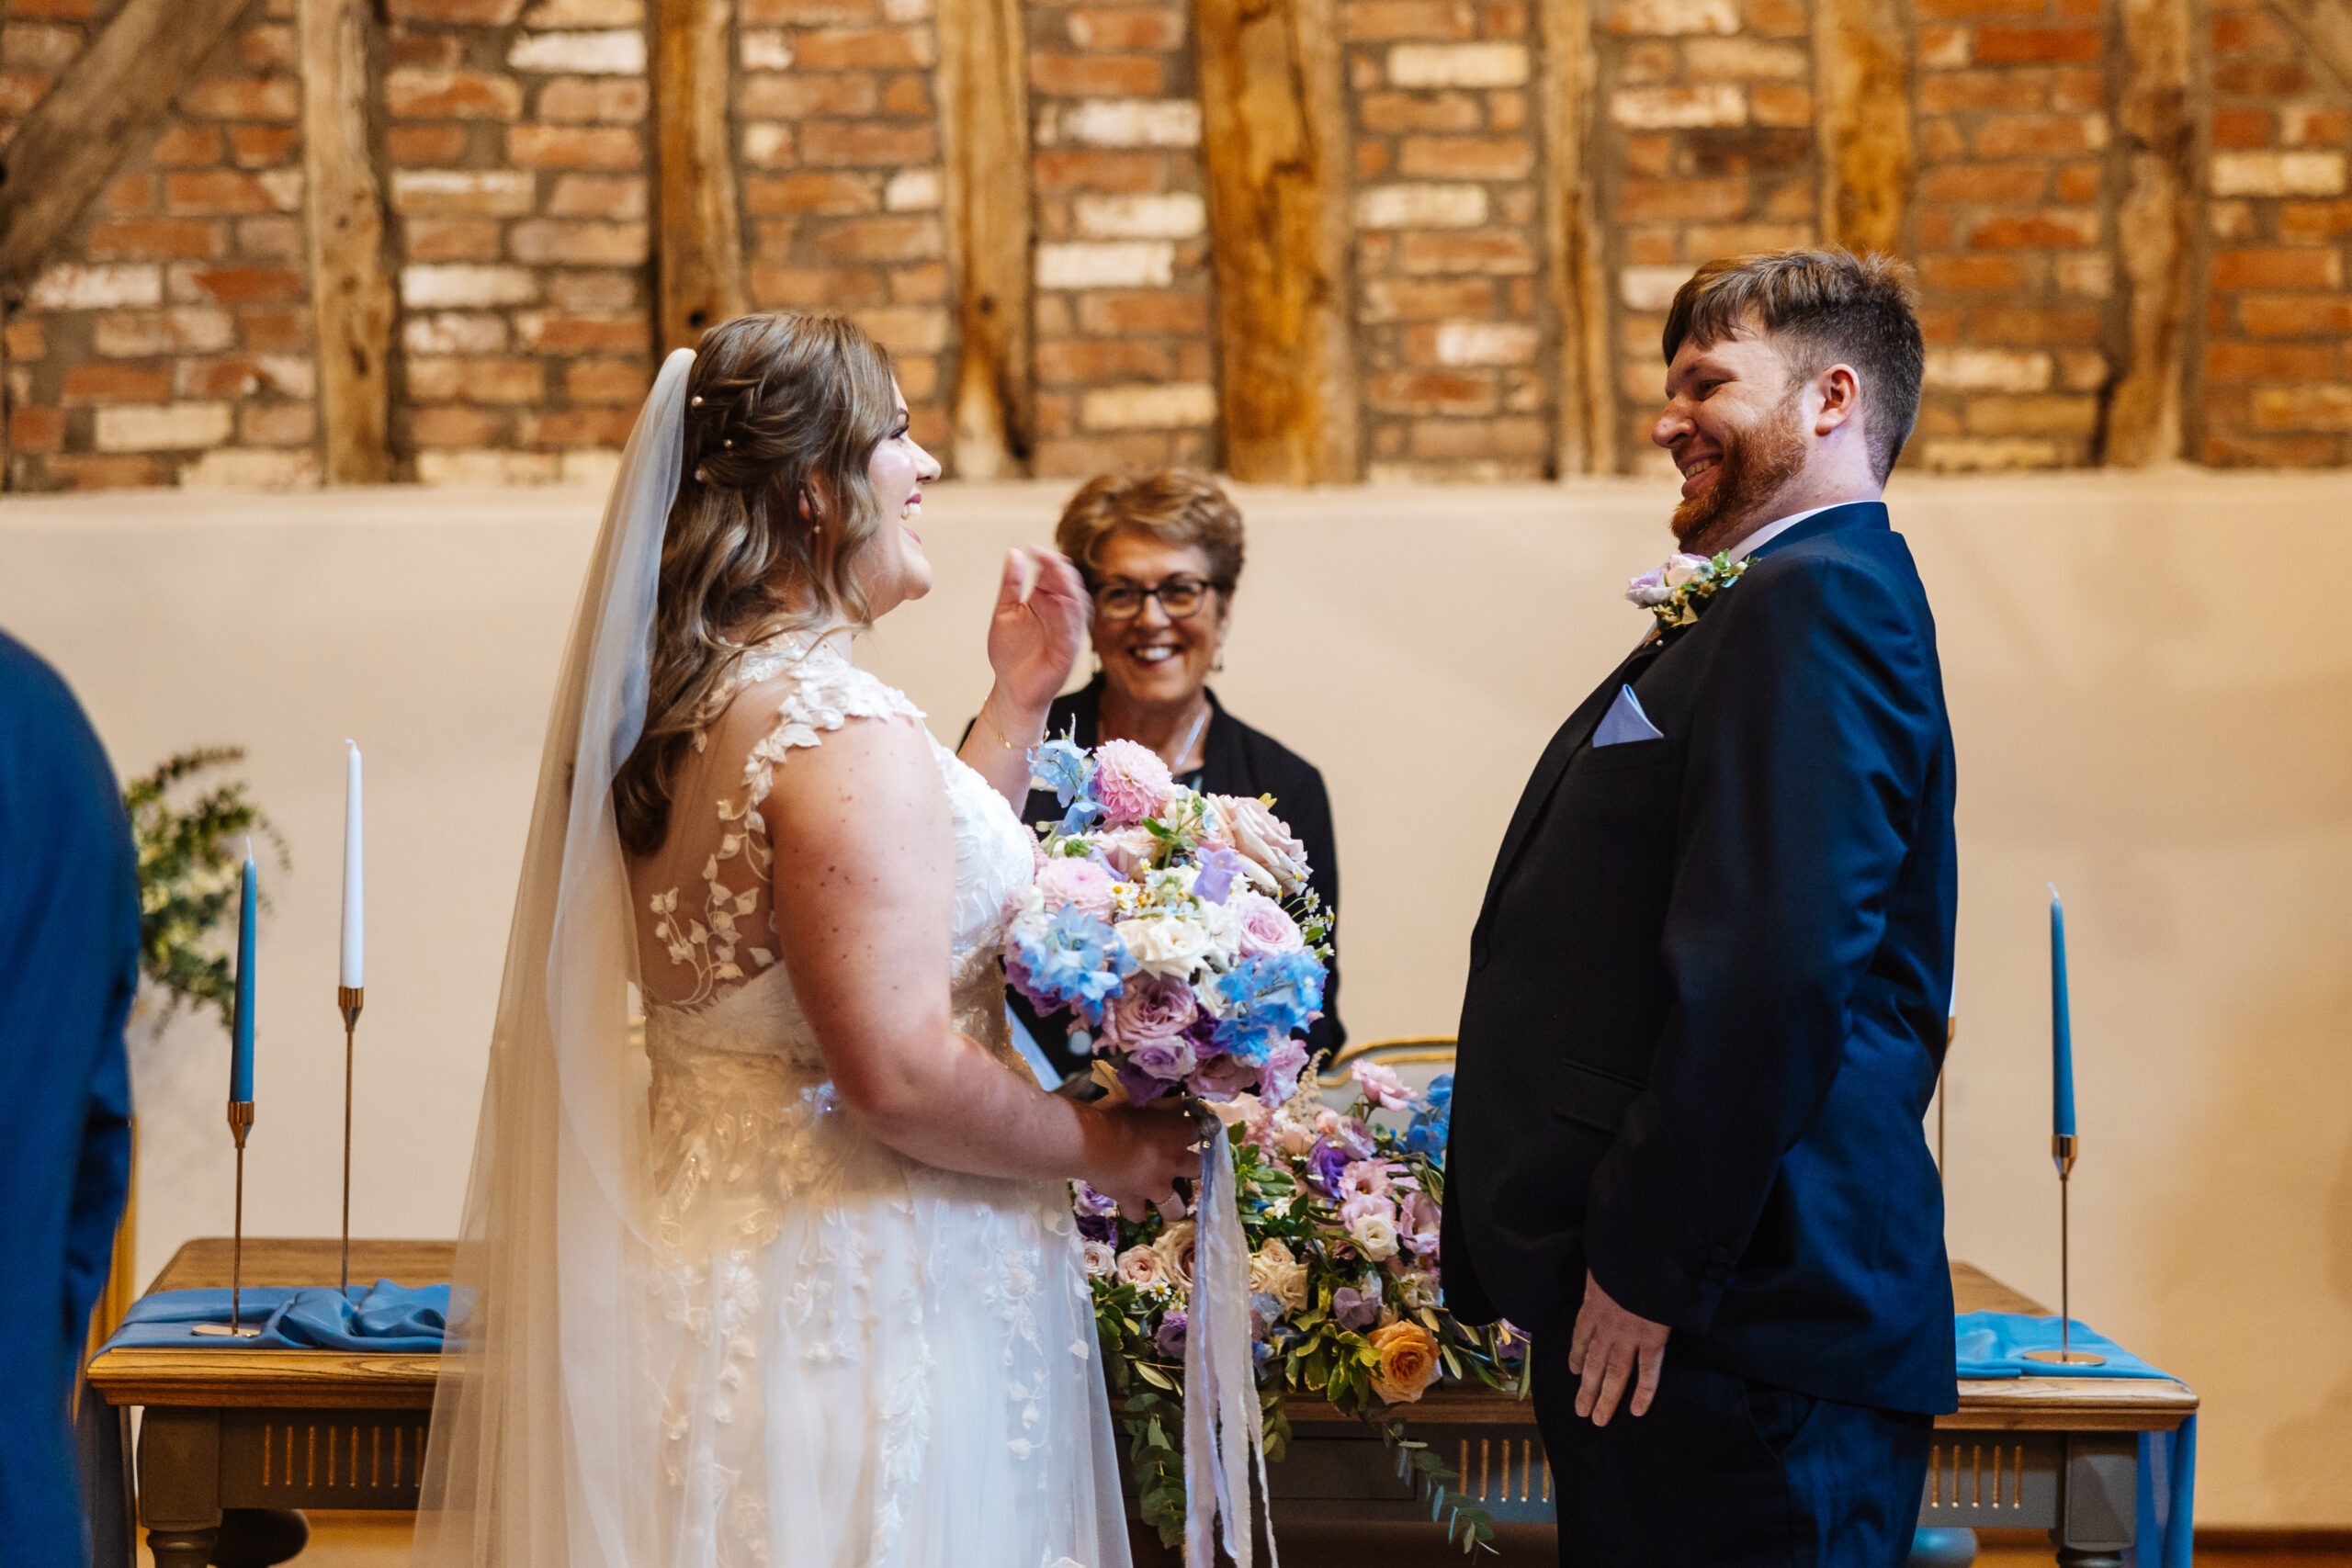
x,y
229,1426
248,1428
2060,1454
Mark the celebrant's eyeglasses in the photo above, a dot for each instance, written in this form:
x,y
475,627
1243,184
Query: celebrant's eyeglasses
x,y
1180,597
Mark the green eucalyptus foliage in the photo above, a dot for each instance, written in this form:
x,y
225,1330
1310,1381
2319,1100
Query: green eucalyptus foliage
x,y
191,847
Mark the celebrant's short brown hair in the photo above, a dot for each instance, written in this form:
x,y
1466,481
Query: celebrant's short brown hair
x,y
1824,308
1175,506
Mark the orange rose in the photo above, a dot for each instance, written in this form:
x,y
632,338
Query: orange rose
x,y
1408,1361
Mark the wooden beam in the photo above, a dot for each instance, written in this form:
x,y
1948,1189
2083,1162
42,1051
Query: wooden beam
x,y
104,106
698,237
1585,431
1862,77
984,126
2326,28
2156,230
351,287
1274,141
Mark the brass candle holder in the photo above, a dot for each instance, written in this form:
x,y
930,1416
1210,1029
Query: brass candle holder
x,y
240,1122
2062,1153
350,998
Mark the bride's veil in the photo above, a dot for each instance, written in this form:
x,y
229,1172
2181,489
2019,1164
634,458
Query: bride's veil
x,y
537,1459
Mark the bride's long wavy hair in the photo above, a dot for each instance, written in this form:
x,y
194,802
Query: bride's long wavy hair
x,y
783,416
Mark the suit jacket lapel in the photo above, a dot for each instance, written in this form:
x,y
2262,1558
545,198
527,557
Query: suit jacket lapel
x,y
1566,741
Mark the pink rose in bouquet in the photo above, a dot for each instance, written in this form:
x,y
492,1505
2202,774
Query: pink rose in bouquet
x,y
1263,838
1131,782
1266,926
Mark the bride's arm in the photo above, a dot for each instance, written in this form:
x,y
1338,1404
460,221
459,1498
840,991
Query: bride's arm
x,y
1035,634
864,891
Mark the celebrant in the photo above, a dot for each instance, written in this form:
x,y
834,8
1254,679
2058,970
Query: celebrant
x,y
1161,555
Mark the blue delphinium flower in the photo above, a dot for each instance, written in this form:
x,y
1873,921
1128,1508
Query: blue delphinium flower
x,y
1075,960
1267,998
1426,1134
1061,766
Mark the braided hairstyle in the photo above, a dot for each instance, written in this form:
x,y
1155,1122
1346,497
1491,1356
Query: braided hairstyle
x,y
783,416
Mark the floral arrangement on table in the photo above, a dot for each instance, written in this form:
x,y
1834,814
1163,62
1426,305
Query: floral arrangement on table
x,y
1679,592
1341,1216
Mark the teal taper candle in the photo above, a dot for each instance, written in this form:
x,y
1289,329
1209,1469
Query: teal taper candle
x,y
2062,1033
241,1052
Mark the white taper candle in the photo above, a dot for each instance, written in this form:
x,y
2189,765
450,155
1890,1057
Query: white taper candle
x,y
355,928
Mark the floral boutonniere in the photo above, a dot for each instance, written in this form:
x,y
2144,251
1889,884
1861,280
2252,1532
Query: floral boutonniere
x,y
1679,591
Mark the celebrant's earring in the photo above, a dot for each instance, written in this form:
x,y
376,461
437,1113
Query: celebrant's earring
x,y
1219,668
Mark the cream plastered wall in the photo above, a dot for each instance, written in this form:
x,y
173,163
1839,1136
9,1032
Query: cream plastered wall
x,y
2149,678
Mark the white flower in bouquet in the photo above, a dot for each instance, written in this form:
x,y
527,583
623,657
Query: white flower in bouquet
x,y
1275,1270
1174,1250
1415,1289
1228,937
1101,1259
1168,945
1371,1223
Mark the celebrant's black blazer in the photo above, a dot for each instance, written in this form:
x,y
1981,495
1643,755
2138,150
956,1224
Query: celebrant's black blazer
x,y
1235,759
1707,989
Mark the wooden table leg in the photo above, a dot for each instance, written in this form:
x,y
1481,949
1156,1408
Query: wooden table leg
x,y
2098,1511
179,1484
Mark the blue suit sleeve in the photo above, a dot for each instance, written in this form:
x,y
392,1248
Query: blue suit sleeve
x,y
1808,752
102,1181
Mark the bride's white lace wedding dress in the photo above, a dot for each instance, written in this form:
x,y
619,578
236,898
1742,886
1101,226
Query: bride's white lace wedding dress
x,y
857,1358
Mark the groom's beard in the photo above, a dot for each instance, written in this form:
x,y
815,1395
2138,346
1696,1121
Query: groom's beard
x,y
1755,468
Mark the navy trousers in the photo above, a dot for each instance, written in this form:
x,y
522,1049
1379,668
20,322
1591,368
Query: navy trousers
x,y
1724,1472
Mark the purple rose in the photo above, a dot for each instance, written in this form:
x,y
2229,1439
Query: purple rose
x,y
1141,1087
1222,1078
1354,1308
1167,1059
1098,1227
1150,1008
1085,1200
1172,1336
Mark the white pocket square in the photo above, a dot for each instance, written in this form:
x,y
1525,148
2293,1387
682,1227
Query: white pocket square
x,y
1625,721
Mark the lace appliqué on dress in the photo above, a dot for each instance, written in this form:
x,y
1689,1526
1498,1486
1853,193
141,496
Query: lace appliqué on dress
x,y
734,938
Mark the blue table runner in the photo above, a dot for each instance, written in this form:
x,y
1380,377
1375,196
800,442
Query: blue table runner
x,y
1991,1345
382,1316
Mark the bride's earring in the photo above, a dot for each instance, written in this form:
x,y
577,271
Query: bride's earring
x,y
1219,668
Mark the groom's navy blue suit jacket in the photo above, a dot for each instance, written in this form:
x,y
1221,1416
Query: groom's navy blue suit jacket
x,y
69,963
1708,990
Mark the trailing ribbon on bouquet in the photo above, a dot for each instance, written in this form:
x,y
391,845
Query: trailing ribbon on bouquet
x,y
1220,1392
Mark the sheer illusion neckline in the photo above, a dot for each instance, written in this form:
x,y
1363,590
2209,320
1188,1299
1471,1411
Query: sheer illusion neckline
x,y
696,950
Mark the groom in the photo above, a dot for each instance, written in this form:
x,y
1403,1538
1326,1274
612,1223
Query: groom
x,y
1708,987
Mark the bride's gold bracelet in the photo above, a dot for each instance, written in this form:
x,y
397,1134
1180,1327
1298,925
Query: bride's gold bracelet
x,y
1003,739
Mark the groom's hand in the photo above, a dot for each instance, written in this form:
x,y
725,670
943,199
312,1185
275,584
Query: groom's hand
x,y
1605,1349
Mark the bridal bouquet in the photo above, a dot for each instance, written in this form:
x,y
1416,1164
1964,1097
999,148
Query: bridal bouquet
x,y
1175,927
1340,1214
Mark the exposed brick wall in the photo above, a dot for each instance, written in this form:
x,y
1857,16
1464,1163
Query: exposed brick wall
x,y
2277,365
1448,238
1706,149
839,176
2014,223
169,340
517,145
1125,315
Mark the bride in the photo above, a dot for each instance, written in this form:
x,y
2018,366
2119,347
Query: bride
x,y
795,1281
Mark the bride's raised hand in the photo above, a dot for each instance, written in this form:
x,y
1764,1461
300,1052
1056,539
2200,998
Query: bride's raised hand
x,y
1037,627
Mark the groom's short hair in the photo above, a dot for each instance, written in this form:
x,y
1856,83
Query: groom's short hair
x,y
1823,308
